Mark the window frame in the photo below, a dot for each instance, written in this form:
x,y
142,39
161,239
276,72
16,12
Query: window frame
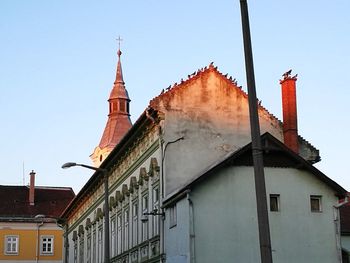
x,y
135,222
113,236
52,243
126,228
144,224
7,252
278,202
155,207
119,231
319,199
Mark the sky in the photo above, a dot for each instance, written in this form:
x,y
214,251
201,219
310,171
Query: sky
x,y
58,62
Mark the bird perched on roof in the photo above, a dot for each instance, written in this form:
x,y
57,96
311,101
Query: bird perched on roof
x,y
295,76
168,88
162,91
286,74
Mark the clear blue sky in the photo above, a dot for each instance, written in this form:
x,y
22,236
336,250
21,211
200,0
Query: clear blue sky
x,y
58,59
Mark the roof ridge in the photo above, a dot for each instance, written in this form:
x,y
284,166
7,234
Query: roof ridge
x,y
197,73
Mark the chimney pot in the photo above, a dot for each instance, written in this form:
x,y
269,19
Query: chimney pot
x,y
32,188
289,108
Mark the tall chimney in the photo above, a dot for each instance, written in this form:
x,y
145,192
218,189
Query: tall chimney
x,y
32,187
289,108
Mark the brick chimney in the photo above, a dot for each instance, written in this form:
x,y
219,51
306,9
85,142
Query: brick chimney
x,y
32,188
289,108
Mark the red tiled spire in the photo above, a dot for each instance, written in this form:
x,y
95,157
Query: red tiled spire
x,y
118,122
119,117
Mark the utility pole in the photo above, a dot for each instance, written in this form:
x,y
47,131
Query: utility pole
x,y
260,188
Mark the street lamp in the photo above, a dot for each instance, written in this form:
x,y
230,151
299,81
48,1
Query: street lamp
x,y
106,210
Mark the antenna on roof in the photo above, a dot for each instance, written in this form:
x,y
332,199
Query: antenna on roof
x,y
23,173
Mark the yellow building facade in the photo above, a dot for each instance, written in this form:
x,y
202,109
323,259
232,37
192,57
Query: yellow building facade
x,y
38,241
30,227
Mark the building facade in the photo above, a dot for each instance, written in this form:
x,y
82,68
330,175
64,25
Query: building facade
x,y
187,127
217,211
30,227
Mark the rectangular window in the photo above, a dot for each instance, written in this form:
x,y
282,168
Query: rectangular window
x,y
81,250
99,245
172,216
274,202
135,212
315,203
126,229
75,260
88,248
155,208
113,237
94,245
46,245
119,233
11,244
144,225
122,105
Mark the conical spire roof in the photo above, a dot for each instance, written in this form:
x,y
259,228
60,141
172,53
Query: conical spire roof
x,y
118,90
118,122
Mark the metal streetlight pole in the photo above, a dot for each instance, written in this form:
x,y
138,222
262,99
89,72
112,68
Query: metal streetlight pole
x,y
260,188
106,194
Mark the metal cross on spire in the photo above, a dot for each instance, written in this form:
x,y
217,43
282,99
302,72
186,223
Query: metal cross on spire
x,y
119,40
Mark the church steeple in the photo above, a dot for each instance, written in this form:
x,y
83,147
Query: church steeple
x,y
119,98
118,122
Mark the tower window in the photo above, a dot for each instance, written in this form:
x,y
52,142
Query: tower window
x,y
122,105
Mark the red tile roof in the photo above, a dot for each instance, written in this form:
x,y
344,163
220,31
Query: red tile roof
x,y
49,201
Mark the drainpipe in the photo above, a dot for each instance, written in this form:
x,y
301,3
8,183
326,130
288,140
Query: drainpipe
x,y
191,230
162,231
337,226
38,225
66,244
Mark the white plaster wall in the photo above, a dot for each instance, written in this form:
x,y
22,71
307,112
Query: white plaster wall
x,y
213,117
177,237
226,222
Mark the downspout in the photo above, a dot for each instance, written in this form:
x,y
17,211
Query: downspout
x,y
66,244
162,242
37,241
191,230
337,226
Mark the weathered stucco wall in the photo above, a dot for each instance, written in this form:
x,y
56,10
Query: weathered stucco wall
x,y
225,218
211,113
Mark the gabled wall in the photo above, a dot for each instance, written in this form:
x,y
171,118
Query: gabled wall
x,y
225,221
211,114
